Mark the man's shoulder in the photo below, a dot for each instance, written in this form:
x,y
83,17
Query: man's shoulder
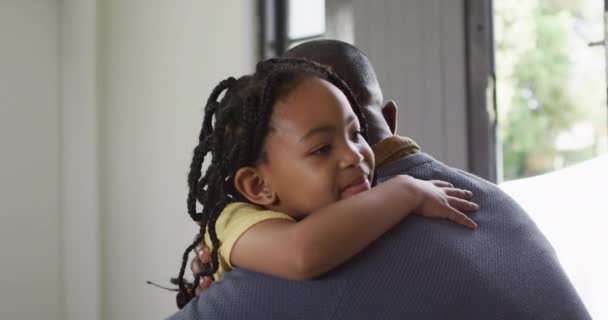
x,y
422,163
403,164
507,243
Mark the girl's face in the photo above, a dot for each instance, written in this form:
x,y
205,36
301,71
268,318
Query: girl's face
x,y
315,153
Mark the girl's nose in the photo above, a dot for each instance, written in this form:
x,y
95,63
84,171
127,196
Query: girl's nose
x,y
351,156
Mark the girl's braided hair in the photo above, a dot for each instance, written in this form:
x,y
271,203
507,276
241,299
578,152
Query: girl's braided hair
x,y
233,131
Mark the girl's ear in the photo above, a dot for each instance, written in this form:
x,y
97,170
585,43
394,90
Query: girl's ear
x,y
249,182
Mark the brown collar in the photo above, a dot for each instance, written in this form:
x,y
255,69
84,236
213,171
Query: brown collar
x,y
393,148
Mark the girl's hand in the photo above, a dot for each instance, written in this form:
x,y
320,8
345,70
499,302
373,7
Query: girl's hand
x,y
203,255
441,200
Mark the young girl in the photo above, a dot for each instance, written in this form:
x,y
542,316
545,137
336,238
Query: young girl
x,y
287,192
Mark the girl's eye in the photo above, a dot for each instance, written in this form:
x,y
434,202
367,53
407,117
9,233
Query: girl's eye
x,y
323,150
356,136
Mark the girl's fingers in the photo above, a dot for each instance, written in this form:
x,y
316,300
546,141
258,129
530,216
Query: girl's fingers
x,y
203,257
196,266
199,289
203,285
441,184
459,193
461,218
204,254
461,204
207,282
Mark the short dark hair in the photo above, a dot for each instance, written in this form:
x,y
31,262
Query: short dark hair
x,y
346,60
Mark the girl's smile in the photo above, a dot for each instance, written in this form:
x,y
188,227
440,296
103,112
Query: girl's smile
x,y
359,185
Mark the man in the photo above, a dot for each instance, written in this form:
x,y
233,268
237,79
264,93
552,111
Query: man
x,y
427,269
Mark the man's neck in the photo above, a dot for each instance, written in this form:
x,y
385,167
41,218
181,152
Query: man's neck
x,y
377,132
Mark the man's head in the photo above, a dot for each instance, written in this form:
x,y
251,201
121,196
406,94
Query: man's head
x,y
353,66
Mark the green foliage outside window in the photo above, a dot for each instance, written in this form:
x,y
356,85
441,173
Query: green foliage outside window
x,y
550,84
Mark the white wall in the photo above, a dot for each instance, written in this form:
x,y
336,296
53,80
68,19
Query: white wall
x,y
80,183
417,48
159,61
30,171
100,108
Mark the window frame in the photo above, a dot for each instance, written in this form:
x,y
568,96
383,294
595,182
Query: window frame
x,y
274,37
484,152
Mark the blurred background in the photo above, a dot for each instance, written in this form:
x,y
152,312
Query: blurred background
x,y
101,102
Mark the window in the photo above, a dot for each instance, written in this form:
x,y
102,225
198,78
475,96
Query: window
x,y
286,23
552,123
550,84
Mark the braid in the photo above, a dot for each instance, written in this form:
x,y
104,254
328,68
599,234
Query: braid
x,y
236,139
213,104
203,148
197,184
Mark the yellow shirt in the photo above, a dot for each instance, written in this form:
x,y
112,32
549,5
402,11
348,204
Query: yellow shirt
x,y
238,217
234,220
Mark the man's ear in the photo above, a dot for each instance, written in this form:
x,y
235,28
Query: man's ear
x,y
389,111
249,182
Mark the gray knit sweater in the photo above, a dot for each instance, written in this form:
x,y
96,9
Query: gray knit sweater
x,y
421,269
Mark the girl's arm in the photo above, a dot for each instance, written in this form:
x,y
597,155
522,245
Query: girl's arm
x,y
327,238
